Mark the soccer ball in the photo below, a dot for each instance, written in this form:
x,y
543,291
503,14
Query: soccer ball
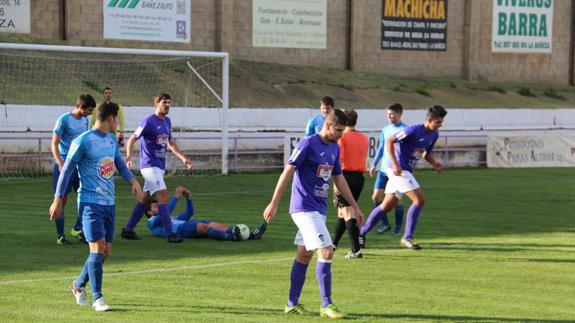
x,y
244,231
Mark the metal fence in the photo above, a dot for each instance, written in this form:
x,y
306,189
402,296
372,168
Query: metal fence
x,y
31,154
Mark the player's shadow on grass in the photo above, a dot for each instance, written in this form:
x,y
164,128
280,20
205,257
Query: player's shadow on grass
x,y
502,247
446,318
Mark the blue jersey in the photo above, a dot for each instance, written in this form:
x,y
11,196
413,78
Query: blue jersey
x,y
96,155
315,163
386,132
69,128
155,132
314,125
412,143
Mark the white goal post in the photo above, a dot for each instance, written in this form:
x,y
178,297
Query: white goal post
x,y
201,66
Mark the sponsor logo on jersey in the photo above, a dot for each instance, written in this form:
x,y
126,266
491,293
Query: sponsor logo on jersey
x,y
321,191
162,139
324,171
106,167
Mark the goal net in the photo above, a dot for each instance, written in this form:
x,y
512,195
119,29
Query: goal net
x,y
44,75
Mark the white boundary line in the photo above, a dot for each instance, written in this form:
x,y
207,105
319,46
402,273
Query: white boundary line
x,y
150,271
224,264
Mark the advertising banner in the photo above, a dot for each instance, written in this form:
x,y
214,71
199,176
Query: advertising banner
x,y
555,150
289,24
414,25
522,26
291,141
150,20
15,16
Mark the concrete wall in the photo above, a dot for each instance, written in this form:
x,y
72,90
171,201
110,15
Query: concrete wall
x,y
226,25
36,118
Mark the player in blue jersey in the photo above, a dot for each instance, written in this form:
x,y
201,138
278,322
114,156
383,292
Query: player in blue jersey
x,y
69,126
187,228
394,113
405,148
155,131
314,161
96,155
315,124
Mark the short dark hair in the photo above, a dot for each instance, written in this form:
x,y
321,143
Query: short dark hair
x,y
106,109
86,101
327,101
162,96
436,111
337,117
351,116
396,107
107,88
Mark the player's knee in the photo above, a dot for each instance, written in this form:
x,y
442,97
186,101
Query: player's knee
x,y
304,257
326,253
161,196
419,201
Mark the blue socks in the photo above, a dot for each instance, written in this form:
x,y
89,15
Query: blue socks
x,y
164,214
323,273
60,225
93,271
411,222
298,271
219,235
398,218
135,217
374,217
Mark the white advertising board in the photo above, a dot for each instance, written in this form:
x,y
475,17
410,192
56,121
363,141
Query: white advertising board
x,y
157,20
552,150
522,26
289,23
15,16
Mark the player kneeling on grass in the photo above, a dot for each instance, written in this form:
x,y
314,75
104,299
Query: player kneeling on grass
x,y
405,148
96,155
186,228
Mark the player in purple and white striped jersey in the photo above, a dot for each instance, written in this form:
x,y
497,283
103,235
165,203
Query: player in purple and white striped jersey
x,y
155,131
314,161
405,148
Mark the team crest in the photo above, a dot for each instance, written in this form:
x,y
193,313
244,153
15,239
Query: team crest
x,y
324,171
106,167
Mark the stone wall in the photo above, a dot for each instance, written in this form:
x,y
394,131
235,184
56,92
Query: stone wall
x,y
226,25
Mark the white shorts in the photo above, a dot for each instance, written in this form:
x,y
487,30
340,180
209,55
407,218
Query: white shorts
x,y
312,231
153,179
401,184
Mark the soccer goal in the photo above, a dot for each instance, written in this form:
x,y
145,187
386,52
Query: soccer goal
x,y
55,75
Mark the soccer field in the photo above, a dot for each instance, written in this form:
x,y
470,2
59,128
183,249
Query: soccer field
x,y
499,246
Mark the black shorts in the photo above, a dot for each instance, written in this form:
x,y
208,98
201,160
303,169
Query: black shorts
x,y
355,182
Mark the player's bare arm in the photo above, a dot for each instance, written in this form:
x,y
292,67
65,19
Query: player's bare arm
x,y
56,208
429,158
130,151
284,179
176,150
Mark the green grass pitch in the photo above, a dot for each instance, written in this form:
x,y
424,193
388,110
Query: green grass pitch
x,y
499,247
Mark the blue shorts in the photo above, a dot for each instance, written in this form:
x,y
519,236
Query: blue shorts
x,y
98,221
74,182
380,180
189,229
